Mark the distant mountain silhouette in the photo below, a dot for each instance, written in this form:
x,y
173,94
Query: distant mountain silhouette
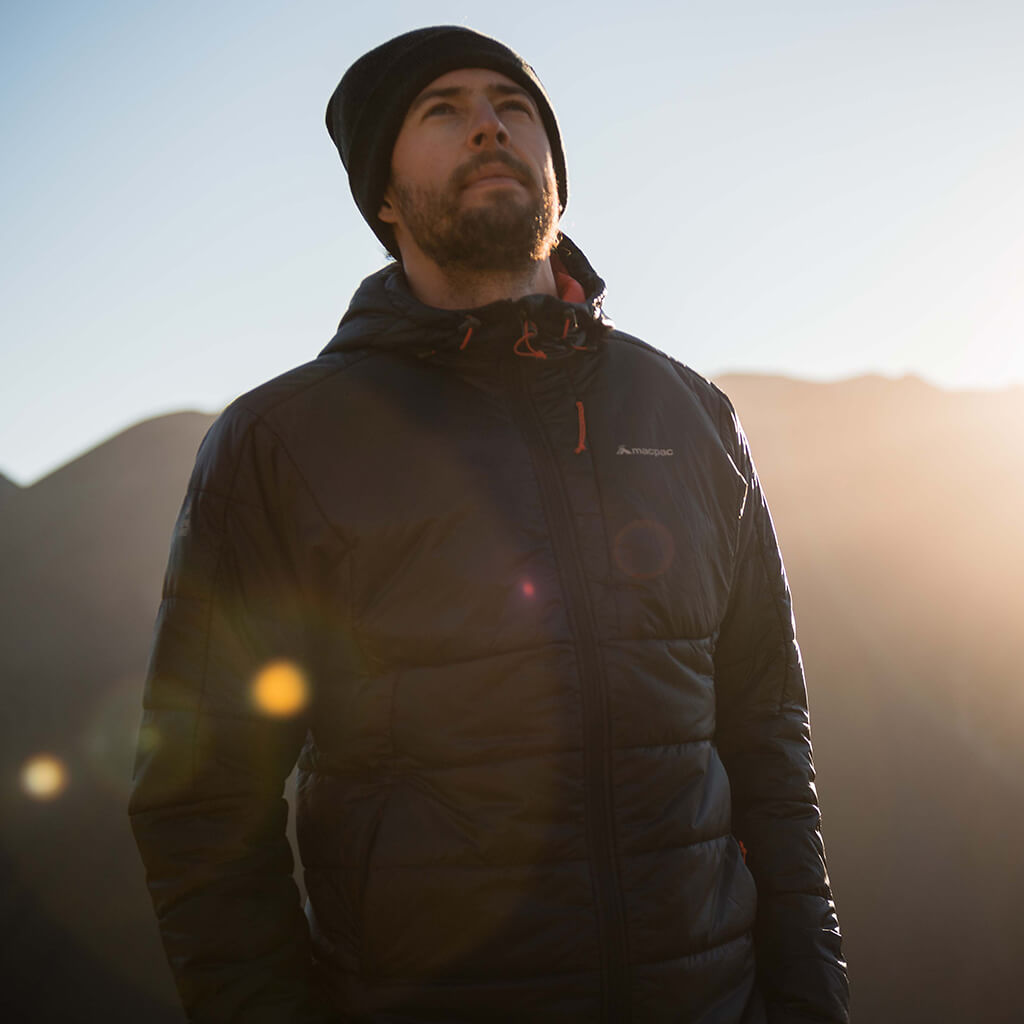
x,y
899,510
897,506
81,558
7,488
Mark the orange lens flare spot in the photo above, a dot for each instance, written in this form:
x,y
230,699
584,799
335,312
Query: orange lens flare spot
x,y
280,689
527,588
43,777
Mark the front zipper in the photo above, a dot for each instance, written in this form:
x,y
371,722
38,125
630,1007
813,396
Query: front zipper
x,y
597,752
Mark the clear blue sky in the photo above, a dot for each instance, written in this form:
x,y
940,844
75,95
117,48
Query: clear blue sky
x,y
819,189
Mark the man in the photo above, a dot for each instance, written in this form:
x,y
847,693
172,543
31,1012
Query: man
x,y
506,576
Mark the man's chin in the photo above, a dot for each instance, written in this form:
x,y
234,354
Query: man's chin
x,y
501,229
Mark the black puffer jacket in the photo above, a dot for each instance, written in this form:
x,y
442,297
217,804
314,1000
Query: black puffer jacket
x,y
524,566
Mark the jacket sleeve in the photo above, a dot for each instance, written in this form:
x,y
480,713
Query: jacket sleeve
x,y
763,736
222,725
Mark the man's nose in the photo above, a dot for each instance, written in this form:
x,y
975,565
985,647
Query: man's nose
x,y
487,127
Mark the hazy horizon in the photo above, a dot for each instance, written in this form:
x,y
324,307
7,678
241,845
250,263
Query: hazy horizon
x,y
725,376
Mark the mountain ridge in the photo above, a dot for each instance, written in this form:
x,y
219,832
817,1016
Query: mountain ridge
x,y
765,377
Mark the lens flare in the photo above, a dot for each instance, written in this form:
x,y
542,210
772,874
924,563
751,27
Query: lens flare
x,y
148,739
280,689
527,588
43,777
644,549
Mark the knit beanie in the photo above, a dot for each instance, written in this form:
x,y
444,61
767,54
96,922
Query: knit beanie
x,y
366,111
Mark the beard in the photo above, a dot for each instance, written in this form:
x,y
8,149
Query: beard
x,y
505,234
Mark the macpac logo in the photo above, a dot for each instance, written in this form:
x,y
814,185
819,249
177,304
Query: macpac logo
x,y
623,450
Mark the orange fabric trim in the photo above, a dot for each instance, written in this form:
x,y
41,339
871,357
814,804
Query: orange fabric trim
x,y
569,289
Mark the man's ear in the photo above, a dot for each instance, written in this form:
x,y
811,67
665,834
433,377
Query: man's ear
x,y
386,212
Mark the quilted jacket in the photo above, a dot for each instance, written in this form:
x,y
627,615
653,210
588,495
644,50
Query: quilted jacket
x,y
515,577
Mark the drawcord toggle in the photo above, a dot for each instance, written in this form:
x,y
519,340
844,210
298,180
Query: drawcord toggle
x,y
572,326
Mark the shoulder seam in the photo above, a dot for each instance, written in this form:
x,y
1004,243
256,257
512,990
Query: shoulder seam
x,y
679,365
697,382
242,403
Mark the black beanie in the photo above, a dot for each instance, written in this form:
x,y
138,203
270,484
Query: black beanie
x,y
366,111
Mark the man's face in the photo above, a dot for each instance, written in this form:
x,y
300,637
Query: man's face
x,y
472,180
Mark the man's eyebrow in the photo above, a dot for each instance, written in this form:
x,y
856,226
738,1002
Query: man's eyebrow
x,y
503,89
449,92
446,93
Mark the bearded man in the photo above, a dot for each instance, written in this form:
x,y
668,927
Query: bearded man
x,y
504,581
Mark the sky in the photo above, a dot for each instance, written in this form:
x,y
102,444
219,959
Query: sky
x,y
817,189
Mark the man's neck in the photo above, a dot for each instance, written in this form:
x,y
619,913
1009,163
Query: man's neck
x,y
451,288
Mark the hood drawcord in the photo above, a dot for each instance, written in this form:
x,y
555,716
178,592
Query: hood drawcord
x,y
572,324
469,325
581,444
529,332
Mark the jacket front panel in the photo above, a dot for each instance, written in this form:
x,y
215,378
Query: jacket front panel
x,y
522,593
451,702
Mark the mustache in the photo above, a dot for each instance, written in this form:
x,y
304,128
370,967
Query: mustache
x,y
471,166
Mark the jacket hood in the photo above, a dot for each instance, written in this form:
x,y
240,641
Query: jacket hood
x,y
385,315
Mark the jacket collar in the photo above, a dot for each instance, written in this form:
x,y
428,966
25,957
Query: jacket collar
x,y
385,315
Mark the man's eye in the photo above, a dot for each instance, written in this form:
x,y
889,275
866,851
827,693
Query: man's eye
x,y
439,108
518,105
